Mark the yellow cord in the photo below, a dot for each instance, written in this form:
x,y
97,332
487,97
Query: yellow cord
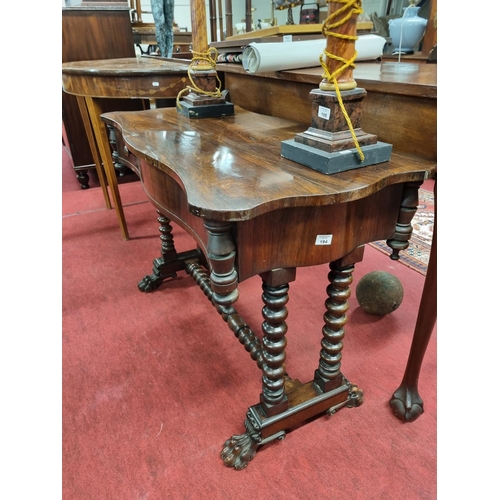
x,y
352,7
211,58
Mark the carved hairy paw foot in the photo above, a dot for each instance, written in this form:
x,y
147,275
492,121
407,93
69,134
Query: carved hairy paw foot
x,y
238,451
150,283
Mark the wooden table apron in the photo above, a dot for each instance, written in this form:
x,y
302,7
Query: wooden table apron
x,y
132,78
252,212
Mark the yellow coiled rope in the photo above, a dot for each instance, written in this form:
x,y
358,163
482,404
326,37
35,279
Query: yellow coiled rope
x,y
209,57
349,8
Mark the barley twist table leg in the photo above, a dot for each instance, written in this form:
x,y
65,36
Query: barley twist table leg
x,y
241,448
161,268
273,399
328,375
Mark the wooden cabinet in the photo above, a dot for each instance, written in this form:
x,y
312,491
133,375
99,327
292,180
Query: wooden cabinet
x,y
90,31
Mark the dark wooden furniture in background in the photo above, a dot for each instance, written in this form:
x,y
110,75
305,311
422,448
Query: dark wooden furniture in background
x,y
136,79
224,181
90,31
145,34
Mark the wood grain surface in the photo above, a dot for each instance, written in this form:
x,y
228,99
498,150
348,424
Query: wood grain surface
x,y
231,168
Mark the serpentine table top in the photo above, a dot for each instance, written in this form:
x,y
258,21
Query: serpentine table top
x,y
231,169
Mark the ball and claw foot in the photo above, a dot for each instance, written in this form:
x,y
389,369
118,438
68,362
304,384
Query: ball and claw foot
x,y
406,404
152,282
239,450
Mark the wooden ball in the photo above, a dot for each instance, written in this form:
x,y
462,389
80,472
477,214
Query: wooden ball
x,y
379,293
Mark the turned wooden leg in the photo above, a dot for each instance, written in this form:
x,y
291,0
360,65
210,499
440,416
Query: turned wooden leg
x,y
170,261
240,449
273,399
286,402
406,402
328,376
122,169
221,253
160,265
402,233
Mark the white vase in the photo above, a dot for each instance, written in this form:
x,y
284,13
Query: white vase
x,y
407,31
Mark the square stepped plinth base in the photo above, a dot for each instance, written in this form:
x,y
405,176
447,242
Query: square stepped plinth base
x,y
206,111
338,161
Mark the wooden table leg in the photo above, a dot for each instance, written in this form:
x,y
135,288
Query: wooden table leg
x,y
328,375
406,401
286,402
95,111
93,148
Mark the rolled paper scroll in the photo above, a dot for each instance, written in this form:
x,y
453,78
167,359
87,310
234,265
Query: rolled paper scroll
x,y
269,57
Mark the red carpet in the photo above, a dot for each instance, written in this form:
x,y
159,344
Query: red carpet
x,y
153,384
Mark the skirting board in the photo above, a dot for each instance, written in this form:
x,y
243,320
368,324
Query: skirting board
x,y
206,111
339,161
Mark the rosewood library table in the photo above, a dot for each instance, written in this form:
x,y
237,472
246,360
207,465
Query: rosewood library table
x,y
251,211
131,78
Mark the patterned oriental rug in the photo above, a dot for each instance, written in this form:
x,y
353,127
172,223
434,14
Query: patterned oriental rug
x,y
416,256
